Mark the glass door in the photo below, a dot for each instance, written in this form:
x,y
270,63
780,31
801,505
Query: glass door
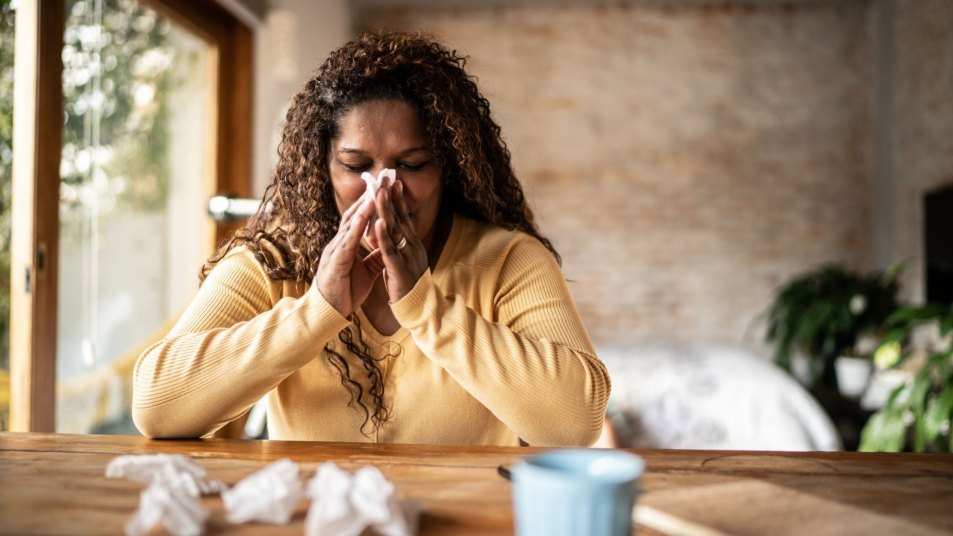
x,y
136,172
7,20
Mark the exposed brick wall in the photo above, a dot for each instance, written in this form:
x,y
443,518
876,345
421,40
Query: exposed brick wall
x,y
923,119
685,161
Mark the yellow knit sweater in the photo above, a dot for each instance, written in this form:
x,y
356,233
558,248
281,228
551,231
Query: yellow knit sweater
x,y
490,350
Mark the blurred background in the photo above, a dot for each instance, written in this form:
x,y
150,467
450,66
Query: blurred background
x,y
689,159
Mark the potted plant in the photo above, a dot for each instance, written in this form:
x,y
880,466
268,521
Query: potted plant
x,y
916,414
823,314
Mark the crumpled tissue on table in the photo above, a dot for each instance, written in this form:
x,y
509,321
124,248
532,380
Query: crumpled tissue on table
x,y
268,495
172,496
343,505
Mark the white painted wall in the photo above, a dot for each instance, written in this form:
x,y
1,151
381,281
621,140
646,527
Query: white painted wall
x,y
293,39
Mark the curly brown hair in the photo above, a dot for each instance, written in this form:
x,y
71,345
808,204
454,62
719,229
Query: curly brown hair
x,y
298,215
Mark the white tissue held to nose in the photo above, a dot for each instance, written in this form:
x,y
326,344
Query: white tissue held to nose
x,y
385,178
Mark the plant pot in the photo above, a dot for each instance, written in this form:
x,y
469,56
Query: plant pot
x,y
853,375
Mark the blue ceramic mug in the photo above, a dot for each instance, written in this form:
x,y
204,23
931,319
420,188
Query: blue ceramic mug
x,y
576,492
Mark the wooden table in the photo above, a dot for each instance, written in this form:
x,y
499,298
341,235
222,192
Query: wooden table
x,y
54,484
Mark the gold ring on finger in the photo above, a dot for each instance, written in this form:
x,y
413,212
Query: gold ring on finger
x,y
402,243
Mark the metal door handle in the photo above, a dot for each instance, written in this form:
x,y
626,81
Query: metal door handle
x,y
226,208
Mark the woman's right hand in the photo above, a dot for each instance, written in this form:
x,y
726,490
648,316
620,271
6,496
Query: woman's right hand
x,y
344,278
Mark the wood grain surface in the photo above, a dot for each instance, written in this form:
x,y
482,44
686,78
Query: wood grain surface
x,y
55,484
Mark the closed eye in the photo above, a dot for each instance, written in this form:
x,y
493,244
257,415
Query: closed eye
x,y
414,166
356,168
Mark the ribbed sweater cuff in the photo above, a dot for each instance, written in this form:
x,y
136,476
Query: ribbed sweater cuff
x,y
327,318
419,305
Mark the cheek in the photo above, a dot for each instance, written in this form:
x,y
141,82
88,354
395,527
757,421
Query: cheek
x,y
423,196
346,192
424,200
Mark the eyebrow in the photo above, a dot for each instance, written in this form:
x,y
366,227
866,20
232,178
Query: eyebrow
x,y
405,152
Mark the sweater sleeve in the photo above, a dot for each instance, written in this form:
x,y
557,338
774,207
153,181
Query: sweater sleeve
x,y
532,365
232,345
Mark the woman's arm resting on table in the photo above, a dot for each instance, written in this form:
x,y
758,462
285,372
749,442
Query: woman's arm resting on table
x,y
534,368
228,349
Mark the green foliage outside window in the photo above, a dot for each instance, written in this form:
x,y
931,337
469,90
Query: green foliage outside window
x,y
6,165
117,67
119,102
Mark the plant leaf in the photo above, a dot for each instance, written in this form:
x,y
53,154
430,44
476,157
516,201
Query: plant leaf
x,y
946,325
919,399
894,395
907,315
884,432
918,393
938,412
888,355
894,336
944,367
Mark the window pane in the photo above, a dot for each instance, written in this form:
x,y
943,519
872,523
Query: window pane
x,y
135,179
6,178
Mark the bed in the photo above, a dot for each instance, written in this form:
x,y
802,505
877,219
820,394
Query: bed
x,y
710,397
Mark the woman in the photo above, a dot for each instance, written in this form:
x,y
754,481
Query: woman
x,y
431,311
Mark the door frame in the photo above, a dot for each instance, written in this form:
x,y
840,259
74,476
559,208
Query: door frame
x,y
37,142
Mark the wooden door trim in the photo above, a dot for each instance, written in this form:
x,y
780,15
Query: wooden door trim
x,y
37,142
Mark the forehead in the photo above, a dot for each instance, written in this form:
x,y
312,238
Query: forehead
x,y
379,125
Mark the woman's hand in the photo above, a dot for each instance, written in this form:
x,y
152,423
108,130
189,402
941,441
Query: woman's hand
x,y
344,278
401,250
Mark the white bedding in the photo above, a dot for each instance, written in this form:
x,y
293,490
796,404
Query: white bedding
x,y
710,397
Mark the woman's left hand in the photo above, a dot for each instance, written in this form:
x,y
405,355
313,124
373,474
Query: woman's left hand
x,y
403,253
